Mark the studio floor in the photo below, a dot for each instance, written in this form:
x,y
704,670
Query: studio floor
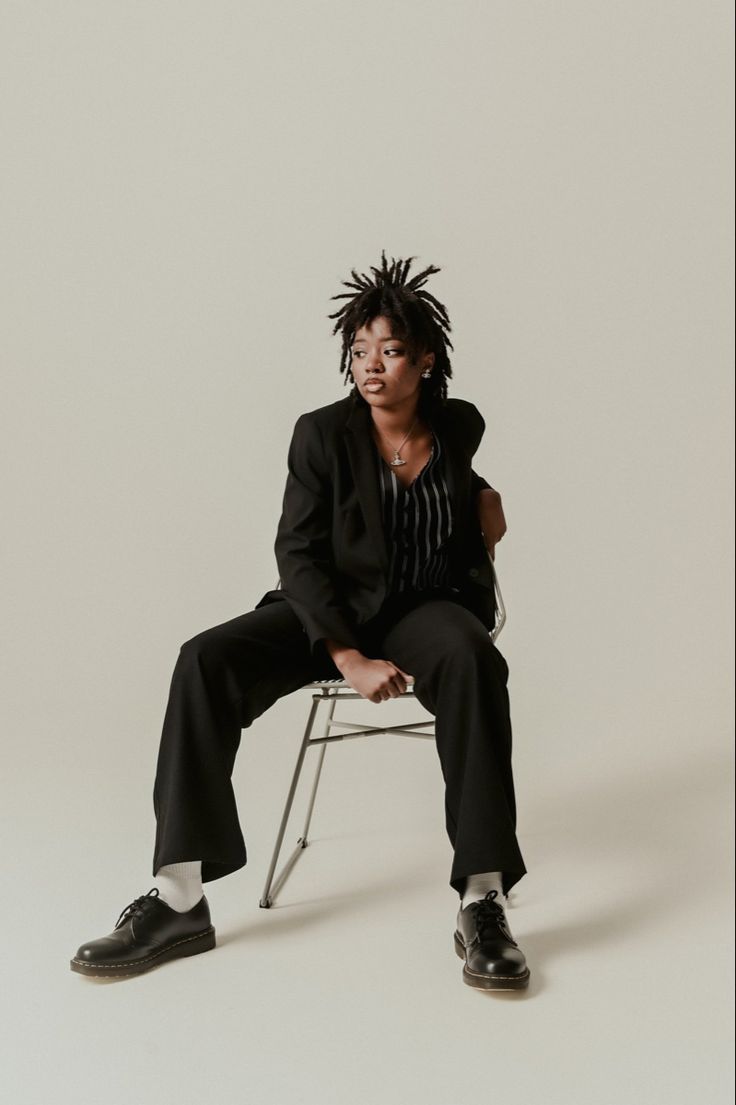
x,y
349,988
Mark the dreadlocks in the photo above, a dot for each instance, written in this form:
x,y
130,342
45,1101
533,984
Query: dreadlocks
x,y
419,318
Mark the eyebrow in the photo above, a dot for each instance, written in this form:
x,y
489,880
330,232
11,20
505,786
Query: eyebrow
x,y
391,337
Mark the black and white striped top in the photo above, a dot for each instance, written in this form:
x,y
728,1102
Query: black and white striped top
x,y
417,522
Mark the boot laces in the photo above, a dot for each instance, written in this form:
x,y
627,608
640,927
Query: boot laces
x,y
138,906
488,915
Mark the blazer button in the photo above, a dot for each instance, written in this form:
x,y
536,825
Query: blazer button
x,y
472,571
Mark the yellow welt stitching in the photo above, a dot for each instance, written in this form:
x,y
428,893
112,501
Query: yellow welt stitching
x,y
480,974
133,962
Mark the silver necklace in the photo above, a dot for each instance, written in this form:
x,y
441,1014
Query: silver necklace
x,y
396,459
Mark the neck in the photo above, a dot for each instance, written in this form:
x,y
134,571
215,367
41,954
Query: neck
x,y
397,421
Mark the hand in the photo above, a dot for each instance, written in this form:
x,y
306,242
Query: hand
x,y
491,518
376,680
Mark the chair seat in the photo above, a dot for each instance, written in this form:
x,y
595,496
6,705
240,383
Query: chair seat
x,y
322,682
334,682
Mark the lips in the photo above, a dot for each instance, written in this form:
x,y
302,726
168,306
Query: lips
x,y
373,385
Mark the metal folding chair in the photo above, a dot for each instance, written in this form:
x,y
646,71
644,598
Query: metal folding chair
x,y
330,691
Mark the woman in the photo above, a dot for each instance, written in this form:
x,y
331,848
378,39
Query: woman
x,y
382,549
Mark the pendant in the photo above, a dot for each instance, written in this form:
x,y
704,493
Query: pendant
x,y
396,460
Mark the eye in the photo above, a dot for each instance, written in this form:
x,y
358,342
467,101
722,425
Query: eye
x,y
391,349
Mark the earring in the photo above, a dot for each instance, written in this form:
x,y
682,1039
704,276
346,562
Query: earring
x,y
427,374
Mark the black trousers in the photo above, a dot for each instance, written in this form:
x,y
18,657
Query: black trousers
x,y
227,676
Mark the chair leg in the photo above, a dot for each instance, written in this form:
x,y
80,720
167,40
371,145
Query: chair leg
x,y
318,772
269,893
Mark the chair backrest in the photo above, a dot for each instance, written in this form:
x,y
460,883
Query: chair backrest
x,y
500,606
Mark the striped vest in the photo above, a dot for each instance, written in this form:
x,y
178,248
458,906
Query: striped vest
x,y
417,522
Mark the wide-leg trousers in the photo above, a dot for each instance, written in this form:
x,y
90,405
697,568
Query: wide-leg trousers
x,y
227,676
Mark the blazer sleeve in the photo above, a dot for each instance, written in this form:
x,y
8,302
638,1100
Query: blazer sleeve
x,y
303,543
477,483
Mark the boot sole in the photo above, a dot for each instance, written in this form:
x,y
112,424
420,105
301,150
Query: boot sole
x,y
189,945
490,982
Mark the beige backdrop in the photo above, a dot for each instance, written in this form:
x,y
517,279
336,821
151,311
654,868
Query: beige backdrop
x,y
185,185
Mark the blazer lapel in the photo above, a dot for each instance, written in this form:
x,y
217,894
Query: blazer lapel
x,y
455,448
361,454
458,459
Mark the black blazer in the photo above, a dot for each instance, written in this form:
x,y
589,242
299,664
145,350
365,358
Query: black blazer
x,y
330,546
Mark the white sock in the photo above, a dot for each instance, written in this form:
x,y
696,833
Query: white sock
x,y
180,884
478,886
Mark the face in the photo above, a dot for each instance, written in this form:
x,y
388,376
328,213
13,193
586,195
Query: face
x,y
383,359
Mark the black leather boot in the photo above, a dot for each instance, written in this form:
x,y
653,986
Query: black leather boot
x,y
493,959
148,932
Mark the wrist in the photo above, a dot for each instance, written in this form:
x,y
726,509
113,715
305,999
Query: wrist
x,y
341,655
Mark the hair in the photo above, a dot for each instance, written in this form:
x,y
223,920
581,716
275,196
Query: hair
x,y
418,318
